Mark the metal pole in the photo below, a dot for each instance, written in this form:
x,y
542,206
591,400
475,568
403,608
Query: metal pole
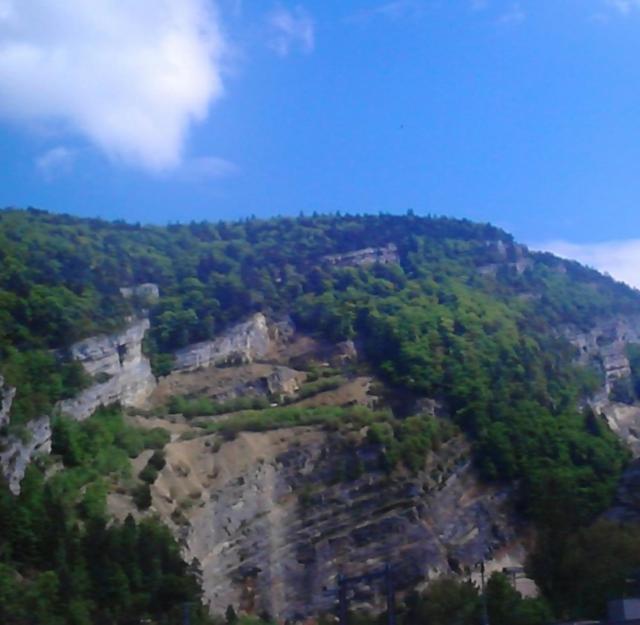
x,y
391,596
186,614
342,599
485,613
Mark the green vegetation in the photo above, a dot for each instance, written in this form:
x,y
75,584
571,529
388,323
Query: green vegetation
x,y
433,324
203,406
62,561
332,417
450,600
410,440
580,572
460,318
319,386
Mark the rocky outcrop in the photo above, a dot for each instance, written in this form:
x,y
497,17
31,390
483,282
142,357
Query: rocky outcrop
x,y
17,451
605,346
273,517
284,381
120,370
368,256
247,342
509,255
147,293
624,420
7,393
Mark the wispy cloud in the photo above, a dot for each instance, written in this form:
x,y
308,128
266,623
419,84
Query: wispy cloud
x,y
515,14
620,259
131,77
291,29
55,162
624,6
206,168
393,9
479,5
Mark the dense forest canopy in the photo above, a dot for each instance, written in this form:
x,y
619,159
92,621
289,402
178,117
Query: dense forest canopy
x,y
465,315
435,323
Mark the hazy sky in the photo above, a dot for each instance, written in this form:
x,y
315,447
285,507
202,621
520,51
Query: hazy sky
x,y
525,114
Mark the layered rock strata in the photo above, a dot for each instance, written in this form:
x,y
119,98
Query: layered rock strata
x,y
368,256
244,343
7,393
273,517
118,367
17,451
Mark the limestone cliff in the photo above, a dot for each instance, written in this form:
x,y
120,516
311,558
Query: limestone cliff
x,y
604,347
246,342
7,393
17,451
367,256
147,293
509,255
273,517
119,368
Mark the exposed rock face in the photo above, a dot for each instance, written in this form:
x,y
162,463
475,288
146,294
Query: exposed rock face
x,y
624,421
345,353
509,255
605,344
7,393
273,517
122,372
605,347
16,453
368,256
148,292
284,381
225,383
245,342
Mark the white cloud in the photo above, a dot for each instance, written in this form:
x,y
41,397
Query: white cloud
x,y
479,5
56,161
130,76
514,15
620,259
393,10
624,6
291,29
207,167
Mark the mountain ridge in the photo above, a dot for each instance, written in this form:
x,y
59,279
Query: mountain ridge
x,y
527,354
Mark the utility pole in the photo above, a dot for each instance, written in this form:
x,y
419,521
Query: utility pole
x,y
342,599
391,596
485,613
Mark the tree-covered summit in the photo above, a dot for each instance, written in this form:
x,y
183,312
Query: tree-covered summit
x,y
457,311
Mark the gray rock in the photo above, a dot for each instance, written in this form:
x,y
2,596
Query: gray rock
x,y
7,393
147,292
17,452
285,524
243,343
284,381
604,345
368,256
123,374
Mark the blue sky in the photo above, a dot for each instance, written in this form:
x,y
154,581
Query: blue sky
x,y
525,114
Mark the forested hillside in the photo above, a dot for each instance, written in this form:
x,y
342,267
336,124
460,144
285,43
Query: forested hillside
x,y
457,312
